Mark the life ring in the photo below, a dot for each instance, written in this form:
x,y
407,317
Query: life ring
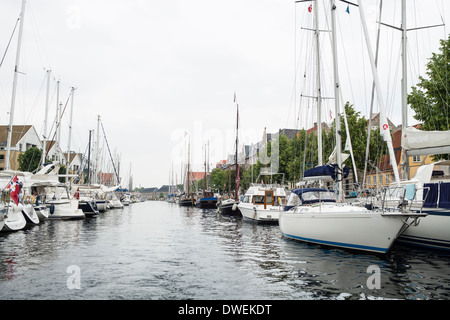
x,y
29,199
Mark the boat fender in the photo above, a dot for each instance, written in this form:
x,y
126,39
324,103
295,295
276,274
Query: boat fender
x,y
234,207
52,209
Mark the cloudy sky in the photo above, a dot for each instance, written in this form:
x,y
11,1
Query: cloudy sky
x,y
159,72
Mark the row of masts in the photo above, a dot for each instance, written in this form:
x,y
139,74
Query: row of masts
x,y
59,113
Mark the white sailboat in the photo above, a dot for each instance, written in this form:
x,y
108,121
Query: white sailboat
x,y
429,189
317,216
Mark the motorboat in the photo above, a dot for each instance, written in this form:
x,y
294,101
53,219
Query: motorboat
x,y
14,219
263,203
228,206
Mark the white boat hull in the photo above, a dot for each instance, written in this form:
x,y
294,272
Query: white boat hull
x,y
101,205
14,220
258,213
42,212
342,226
65,210
30,215
113,204
432,232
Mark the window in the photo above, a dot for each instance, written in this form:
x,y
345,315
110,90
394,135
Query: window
x,y
417,159
388,178
258,199
369,182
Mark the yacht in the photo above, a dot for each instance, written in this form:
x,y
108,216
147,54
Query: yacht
x,y
263,203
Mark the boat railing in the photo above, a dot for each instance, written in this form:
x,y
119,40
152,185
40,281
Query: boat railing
x,y
397,197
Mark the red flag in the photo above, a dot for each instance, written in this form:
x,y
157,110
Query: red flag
x,y
14,187
310,8
77,194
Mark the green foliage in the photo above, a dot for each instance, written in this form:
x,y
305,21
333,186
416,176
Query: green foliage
x,y
30,159
430,99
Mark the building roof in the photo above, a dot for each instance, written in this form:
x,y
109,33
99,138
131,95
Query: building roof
x,y
18,131
196,176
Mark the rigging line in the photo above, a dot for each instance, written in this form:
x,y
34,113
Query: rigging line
x,y
110,155
9,42
59,123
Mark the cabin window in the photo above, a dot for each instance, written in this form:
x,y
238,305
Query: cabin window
x,y
246,199
258,199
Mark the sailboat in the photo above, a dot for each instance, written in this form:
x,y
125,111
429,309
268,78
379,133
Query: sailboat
x,y
430,187
316,215
187,200
230,206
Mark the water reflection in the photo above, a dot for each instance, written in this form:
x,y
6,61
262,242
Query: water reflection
x,y
157,250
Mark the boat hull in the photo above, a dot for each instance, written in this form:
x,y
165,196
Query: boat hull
x,y
365,230
65,210
257,213
88,207
30,215
101,205
229,207
432,232
207,203
186,202
42,212
14,220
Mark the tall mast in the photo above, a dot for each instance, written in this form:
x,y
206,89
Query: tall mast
x,y
319,94
70,136
97,148
13,98
236,195
336,102
44,136
384,126
58,123
405,172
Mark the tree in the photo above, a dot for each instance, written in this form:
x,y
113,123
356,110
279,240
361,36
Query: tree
x,y
430,99
30,159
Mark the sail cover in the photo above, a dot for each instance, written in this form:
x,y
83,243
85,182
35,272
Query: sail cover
x,y
326,171
415,139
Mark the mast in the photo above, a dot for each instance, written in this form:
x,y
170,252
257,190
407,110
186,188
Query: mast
x,y
97,148
236,195
13,98
336,102
70,135
384,126
89,160
44,136
58,123
319,94
404,83
189,156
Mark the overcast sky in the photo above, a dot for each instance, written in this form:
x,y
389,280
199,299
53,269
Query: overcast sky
x,y
158,72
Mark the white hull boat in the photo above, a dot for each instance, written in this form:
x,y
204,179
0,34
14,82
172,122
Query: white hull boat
x,y
14,220
30,215
262,203
41,211
312,215
64,209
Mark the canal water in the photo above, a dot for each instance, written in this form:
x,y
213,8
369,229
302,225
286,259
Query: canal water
x,y
160,251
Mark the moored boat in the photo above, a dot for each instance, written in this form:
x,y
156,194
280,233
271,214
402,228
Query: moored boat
x,y
313,215
262,203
